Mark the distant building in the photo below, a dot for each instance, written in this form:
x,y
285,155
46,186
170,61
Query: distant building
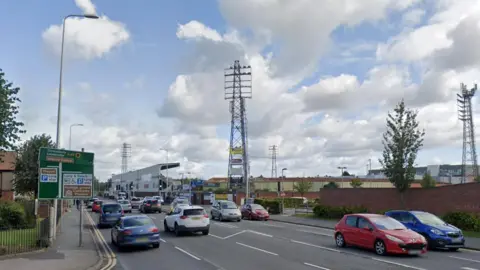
x,y
446,173
7,168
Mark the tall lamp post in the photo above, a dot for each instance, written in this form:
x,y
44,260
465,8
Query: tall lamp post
x,y
283,197
166,171
59,109
70,136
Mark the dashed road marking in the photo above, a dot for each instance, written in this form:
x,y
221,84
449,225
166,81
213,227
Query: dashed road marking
x,y
312,245
216,236
259,249
259,233
465,259
398,264
188,253
232,235
163,240
225,225
316,266
317,233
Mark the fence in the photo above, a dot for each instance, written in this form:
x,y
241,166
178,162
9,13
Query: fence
x,y
20,230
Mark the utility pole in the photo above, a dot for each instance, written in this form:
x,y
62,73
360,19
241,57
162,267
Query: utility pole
x,y
126,154
465,114
238,88
369,166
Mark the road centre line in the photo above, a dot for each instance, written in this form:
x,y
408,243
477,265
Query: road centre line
x,y
259,233
232,235
316,266
188,253
465,259
312,245
398,264
318,233
259,249
225,225
163,240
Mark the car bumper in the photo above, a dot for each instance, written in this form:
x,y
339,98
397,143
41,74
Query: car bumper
x,y
135,206
256,217
447,242
153,209
232,217
127,210
130,241
107,222
183,228
407,249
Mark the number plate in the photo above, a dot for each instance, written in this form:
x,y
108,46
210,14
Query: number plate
x,y
414,252
196,218
456,240
142,239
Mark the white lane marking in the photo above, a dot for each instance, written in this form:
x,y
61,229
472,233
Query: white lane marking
x,y
259,233
312,245
189,254
271,225
465,259
216,236
259,249
398,264
232,235
225,225
318,233
163,240
316,266
468,268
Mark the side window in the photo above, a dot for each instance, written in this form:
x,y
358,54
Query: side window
x,y
177,211
407,217
351,221
396,216
364,224
119,223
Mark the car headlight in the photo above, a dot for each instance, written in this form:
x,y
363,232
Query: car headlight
x,y
437,232
394,239
423,238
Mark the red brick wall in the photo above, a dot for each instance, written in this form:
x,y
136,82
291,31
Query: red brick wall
x,y
439,200
288,194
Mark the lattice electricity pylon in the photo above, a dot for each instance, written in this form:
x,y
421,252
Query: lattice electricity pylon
x,y
469,153
238,87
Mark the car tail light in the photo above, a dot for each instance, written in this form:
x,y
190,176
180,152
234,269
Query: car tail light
x,y
127,232
147,204
205,216
154,230
158,204
183,217
123,213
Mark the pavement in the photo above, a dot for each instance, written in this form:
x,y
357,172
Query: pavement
x,y
471,242
272,245
64,254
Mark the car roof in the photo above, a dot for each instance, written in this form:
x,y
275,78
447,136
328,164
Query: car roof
x,y
134,216
107,204
366,215
191,207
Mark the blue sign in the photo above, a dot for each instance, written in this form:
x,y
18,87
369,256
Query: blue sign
x,y
196,183
80,181
44,178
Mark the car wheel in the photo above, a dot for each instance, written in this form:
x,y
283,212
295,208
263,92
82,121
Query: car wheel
x,y
339,240
177,231
211,216
380,248
165,227
220,218
205,232
238,220
113,241
156,245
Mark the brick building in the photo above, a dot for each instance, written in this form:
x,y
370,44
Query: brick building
x,y
7,168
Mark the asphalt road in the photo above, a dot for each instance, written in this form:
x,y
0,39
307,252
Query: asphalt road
x,y
273,245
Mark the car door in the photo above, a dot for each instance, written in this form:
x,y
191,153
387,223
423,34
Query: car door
x,y
365,235
171,218
350,229
215,210
116,228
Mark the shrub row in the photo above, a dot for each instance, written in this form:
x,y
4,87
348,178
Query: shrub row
x,y
13,215
273,206
462,220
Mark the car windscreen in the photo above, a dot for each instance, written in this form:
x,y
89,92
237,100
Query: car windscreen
x,y
98,202
133,222
123,202
194,212
229,205
257,207
429,219
387,223
111,208
135,199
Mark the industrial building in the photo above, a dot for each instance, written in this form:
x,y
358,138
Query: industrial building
x,y
149,181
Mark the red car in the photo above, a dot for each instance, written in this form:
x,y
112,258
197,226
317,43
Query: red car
x,y
380,233
254,211
96,206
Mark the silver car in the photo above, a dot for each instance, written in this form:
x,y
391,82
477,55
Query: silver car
x,y
136,202
126,206
225,210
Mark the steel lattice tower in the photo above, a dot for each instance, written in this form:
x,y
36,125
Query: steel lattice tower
x,y
469,153
274,149
238,87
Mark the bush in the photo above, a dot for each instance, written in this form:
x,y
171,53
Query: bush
x,y
463,220
12,214
336,212
273,206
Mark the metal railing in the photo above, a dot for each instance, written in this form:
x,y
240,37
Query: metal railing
x,y
29,237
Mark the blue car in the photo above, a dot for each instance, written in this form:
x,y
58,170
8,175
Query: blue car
x,y
438,233
138,230
110,213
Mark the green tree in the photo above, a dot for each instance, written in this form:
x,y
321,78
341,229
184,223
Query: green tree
x,y
345,173
401,142
331,184
477,179
302,187
356,182
10,128
428,181
26,164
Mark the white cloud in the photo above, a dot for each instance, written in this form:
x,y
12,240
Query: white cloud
x,y
86,38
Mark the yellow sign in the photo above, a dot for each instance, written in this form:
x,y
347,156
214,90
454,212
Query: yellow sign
x,y
220,196
236,151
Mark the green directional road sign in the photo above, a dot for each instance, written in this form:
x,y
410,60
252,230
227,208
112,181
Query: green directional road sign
x,y
65,174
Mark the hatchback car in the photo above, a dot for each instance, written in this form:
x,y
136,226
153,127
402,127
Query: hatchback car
x,y
96,206
255,212
137,230
90,202
151,206
126,206
187,219
225,210
438,233
380,233
136,202
110,213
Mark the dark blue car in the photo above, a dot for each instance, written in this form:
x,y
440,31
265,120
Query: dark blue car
x,y
110,213
438,233
138,230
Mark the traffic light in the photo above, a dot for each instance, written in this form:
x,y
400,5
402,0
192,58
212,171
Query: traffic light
x,y
131,186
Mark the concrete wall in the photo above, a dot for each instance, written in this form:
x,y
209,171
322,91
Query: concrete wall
x,y
439,200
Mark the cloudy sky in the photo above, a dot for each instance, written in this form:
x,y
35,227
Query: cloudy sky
x,y
326,72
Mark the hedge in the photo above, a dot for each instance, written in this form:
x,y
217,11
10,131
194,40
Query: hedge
x,y
12,214
334,212
272,205
463,220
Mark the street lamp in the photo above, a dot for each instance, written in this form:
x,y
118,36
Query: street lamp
x,y
166,170
283,176
342,169
59,107
70,136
